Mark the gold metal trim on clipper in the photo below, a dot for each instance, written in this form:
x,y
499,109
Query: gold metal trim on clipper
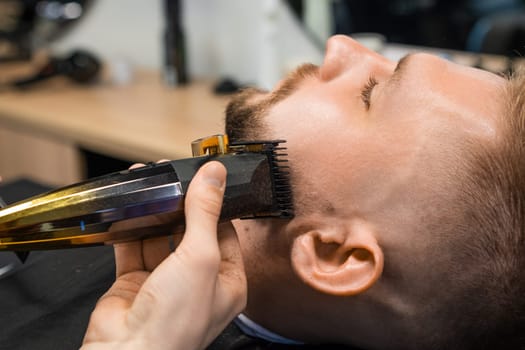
x,y
211,145
149,201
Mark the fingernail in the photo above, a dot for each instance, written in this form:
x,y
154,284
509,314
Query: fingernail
x,y
214,174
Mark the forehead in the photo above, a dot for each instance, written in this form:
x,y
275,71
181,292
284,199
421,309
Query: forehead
x,y
466,102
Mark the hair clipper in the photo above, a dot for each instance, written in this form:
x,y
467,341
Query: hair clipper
x,y
149,201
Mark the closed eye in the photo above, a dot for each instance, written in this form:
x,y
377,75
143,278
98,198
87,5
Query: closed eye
x,y
366,93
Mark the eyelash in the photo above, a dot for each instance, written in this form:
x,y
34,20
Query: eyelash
x,y
366,93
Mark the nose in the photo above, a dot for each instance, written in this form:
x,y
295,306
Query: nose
x,y
344,53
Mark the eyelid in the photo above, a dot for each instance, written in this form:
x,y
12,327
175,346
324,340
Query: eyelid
x,y
366,93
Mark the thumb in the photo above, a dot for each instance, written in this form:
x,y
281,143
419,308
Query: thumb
x,y
197,258
203,205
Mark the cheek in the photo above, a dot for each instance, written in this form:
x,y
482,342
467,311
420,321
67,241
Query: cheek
x,y
248,237
315,133
335,165
260,238
339,157
317,111
318,132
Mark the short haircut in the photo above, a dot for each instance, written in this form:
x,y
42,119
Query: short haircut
x,y
491,314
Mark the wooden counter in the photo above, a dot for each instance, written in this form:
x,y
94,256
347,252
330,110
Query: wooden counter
x,y
143,121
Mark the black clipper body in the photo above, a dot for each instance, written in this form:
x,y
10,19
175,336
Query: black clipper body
x,y
149,201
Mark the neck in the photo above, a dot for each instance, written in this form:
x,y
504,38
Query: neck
x,y
371,321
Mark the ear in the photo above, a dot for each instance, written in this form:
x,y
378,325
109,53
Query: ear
x,y
338,260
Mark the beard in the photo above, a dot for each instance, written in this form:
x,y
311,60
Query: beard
x,y
246,111
244,116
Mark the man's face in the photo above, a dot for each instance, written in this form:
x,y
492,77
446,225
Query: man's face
x,y
375,140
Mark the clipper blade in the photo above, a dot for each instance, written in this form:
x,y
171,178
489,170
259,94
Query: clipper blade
x,y
280,174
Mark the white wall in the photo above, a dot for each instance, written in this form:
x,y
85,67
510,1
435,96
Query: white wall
x,y
118,29
253,41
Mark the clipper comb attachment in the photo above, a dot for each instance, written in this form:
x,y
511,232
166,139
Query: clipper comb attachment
x,y
282,192
279,169
281,178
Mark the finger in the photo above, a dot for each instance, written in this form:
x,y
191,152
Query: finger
x,y
197,258
136,165
109,317
232,284
128,257
155,250
202,209
231,270
124,290
231,289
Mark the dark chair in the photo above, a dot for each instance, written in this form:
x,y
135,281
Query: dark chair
x,y
45,303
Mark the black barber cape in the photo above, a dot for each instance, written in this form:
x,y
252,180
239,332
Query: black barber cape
x,y
46,302
232,338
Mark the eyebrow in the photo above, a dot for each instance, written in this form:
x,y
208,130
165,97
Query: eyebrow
x,y
401,67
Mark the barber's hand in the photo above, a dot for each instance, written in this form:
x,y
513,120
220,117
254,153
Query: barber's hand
x,y
186,301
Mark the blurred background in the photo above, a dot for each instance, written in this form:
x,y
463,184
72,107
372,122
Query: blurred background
x,y
252,40
489,26
91,86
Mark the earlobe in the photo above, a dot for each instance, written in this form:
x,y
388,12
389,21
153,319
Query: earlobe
x,y
344,264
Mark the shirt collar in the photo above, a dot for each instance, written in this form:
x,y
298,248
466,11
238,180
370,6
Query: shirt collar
x,y
253,329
